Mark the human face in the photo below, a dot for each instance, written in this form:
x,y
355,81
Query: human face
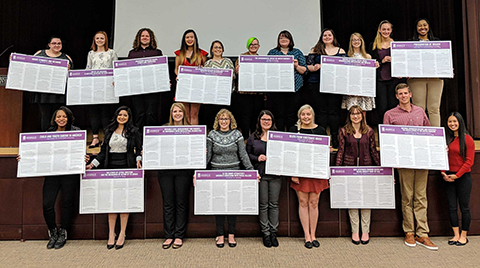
x,y
266,122
327,37
254,46
403,96
356,42
385,30
122,117
61,119
356,116
55,45
177,114
145,38
453,123
100,40
306,117
190,39
224,122
217,50
423,28
284,41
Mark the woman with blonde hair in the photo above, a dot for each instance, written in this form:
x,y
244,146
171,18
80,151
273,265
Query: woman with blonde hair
x,y
308,190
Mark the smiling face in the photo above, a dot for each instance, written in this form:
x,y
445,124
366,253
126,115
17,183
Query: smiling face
x,y
122,117
422,28
327,37
217,49
254,46
266,122
224,122
306,117
453,123
190,39
403,95
284,41
177,115
145,38
356,42
61,119
55,45
100,40
356,116
385,30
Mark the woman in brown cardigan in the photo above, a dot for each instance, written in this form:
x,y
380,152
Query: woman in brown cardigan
x,y
357,148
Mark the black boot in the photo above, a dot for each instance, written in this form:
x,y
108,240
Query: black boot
x,y
62,238
273,238
266,241
53,233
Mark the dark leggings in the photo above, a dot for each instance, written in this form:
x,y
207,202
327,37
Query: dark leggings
x,y
99,117
68,185
284,108
175,186
46,112
385,98
329,113
144,111
459,190
220,221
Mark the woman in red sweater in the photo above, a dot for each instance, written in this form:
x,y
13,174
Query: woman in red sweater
x,y
458,182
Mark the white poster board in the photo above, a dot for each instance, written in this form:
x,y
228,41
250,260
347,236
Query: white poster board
x,y
266,74
90,87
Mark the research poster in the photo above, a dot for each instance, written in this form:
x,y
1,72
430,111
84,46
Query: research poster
x,y
266,74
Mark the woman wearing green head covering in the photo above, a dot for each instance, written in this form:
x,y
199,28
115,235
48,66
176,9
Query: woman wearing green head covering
x,y
247,105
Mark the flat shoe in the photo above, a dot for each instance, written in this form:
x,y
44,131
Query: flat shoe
x,y
167,246
452,242
177,246
461,244
232,245
219,245
315,243
356,242
308,244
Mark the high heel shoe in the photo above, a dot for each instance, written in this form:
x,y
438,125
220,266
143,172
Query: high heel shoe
x,y
114,242
120,246
96,144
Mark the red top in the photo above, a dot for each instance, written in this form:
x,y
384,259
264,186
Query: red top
x,y
456,161
186,62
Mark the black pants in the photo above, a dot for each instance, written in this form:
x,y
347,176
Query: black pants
x,y
175,186
459,190
144,112
385,98
220,221
329,113
284,108
99,116
68,184
46,113
247,107
311,95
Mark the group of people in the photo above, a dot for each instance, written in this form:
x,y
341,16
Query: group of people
x,y
226,148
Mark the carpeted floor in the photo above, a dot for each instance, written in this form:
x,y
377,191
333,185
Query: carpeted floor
x,y
250,252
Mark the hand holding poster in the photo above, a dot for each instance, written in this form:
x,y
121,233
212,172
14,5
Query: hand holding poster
x,y
90,87
266,74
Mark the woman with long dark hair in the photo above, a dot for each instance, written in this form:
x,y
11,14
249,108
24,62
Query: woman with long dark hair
x,y
270,185
120,150
458,181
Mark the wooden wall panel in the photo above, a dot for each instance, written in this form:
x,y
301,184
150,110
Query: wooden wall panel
x,y
11,111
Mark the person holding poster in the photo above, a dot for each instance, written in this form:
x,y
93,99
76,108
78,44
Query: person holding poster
x,y
380,51
145,45
49,102
413,182
270,186
175,185
285,104
62,120
226,151
100,57
357,147
356,49
216,61
121,149
427,92
308,190
247,104
326,104
458,181
190,54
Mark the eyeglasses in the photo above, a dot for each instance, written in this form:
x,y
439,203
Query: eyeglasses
x,y
266,120
254,45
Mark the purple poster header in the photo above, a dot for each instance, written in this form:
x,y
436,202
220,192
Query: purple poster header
x,y
360,171
53,136
266,59
90,73
422,45
40,60
175,130
348,61
412,130
205,71
140,62
226,175
297,137
113,174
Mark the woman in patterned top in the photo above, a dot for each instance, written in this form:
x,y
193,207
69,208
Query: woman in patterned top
x,y
100,57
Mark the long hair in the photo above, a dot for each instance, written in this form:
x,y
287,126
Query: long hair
x,y
349,125
185,120
299,121
197,58
377,43
319,47
128,129
430,35
70,119
462,131
351,51
153,39
94,45
258,130
287,35
233,122
211,48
